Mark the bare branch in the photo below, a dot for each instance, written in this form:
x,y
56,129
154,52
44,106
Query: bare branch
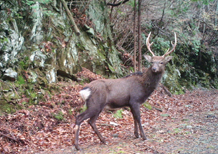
x,y
7,136
71,17
113,4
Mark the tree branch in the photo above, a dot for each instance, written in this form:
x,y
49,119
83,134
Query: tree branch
x,y
166,90
113,4
71,17
135,38
12,138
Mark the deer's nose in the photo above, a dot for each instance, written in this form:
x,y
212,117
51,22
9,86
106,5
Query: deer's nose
x,y
154,69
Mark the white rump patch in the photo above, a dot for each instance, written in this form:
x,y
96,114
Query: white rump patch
x,y
85,93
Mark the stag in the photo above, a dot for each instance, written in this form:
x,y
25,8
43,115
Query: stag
x,y
130,91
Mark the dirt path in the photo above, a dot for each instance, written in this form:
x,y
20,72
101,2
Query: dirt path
x,y
194,133
197,134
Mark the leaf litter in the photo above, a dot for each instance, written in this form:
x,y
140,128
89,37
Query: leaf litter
x,y
184,123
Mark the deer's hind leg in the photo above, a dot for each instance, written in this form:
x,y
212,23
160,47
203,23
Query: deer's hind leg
x,y
92,114
93,125
79,119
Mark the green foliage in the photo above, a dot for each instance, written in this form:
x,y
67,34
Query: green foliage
x,y
24,63
20,80
30,93
70,112
176,130
3,40
44,5
24,103
28,2
118,114
8,108
160,45
165,115
84,108
196,45
147,105
31,2
48,12
205,2
182,7
132,4
33,95
59,116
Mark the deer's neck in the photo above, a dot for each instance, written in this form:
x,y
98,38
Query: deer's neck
x,y
151,79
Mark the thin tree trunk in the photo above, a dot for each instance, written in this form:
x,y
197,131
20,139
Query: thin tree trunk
x,y
204,25
71,17
139,35
134,33
112,7
215,23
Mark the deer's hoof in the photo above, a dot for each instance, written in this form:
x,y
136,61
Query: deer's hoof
x,y
77,147
104,142
136,135
144,138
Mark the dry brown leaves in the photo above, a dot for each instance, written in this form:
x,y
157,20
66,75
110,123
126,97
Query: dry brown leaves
x,y
36,129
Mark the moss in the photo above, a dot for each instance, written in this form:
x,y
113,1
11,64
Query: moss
x,y
12,92
6,107
101,53
4,85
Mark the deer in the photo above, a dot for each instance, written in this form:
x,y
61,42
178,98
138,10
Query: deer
x,y
130,91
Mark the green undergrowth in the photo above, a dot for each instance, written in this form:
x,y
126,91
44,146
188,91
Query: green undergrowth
x,y
21,93
59,116
118,114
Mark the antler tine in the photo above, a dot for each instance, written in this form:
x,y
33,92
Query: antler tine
x,y
174,47
149,44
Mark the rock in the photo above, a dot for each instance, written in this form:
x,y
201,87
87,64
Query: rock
x,y
10,74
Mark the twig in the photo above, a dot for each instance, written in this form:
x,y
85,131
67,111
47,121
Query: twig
x,y
14,139
166,90
157,109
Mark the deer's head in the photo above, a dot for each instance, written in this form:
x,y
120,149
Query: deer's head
x,y
159,62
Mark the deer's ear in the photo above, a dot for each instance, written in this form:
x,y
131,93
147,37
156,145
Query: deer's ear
x,y
148,58
167,59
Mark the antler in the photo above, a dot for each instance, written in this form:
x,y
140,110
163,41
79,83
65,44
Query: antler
x,y
174,47
149,44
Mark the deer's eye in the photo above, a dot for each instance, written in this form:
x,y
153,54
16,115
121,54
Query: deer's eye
x,y
161,62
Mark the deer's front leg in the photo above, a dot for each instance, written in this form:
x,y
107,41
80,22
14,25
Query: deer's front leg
x,y
135,109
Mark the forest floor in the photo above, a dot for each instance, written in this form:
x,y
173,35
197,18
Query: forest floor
x,y
186,123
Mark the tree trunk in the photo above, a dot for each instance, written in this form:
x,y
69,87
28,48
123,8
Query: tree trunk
x,y
134,33
139,36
